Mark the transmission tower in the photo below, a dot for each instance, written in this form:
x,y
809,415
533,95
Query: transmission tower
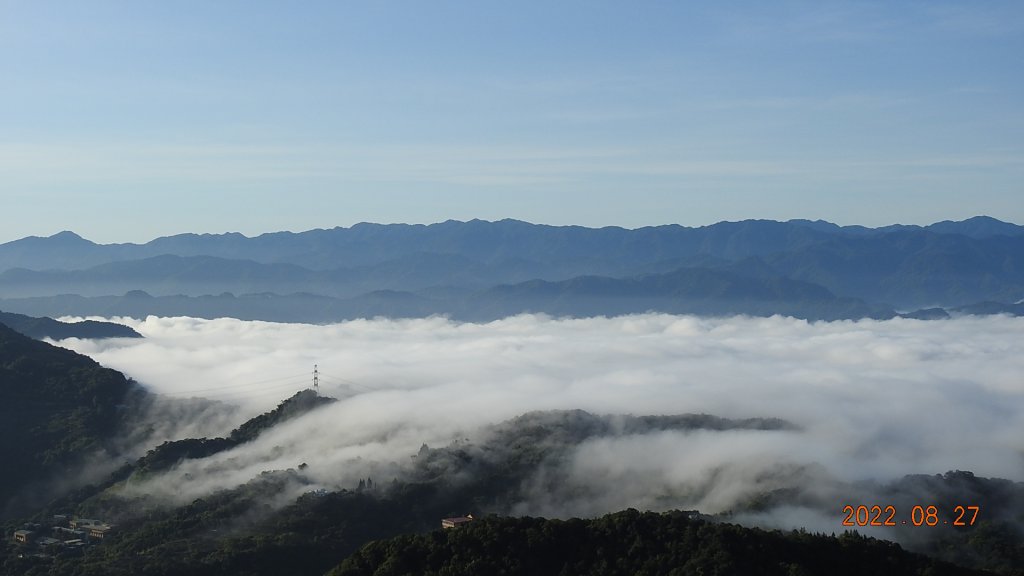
x,y
316,380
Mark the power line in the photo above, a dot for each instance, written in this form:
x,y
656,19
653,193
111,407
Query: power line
x,y
243,385
214,393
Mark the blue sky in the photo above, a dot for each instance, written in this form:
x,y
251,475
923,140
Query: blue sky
x,y
124,121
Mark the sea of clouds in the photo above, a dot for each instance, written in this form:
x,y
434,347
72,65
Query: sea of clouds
x,y
873,399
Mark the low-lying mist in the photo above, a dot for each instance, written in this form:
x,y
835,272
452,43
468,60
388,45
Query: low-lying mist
x,y
872,400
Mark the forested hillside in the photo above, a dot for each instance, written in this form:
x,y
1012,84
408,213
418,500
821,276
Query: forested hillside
x,y
57,409
285,522
40,328
632,543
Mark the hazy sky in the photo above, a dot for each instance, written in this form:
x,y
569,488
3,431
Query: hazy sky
x,y
129,120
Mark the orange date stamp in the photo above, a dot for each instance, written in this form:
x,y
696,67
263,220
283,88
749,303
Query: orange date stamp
x,y
919,516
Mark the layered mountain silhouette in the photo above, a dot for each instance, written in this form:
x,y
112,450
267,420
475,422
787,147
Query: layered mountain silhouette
x,y
483,270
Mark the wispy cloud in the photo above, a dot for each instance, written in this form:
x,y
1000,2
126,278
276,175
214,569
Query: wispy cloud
x,y
201,167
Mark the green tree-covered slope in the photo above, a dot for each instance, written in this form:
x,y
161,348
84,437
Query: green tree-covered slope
x,y
631,543
57,409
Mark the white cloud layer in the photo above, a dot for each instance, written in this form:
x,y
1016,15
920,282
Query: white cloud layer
x,y
874,399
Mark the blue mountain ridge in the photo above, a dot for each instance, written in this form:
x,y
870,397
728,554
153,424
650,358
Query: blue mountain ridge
x,y
477,269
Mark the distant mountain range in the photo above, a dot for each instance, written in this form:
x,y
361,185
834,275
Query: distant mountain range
x,y
481,270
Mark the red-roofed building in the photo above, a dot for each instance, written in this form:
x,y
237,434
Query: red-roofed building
x,y
456,522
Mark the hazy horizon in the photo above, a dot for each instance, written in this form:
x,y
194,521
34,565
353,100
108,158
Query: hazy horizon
x,y
431,223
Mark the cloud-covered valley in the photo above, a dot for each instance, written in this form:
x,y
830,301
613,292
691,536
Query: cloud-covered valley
x,y
871,400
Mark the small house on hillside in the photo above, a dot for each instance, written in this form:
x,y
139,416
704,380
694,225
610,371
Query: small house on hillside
x,y
456,522
83,523
99,531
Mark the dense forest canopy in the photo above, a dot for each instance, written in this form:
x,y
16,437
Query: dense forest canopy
x,y
57,409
